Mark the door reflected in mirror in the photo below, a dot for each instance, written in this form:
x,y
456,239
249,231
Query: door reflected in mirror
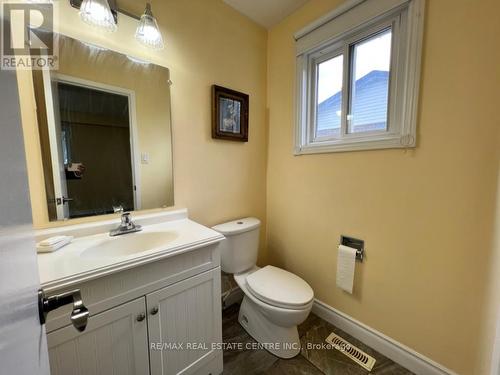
x,y
97,138
105,133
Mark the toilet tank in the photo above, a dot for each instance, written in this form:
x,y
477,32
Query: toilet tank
x,y
239,249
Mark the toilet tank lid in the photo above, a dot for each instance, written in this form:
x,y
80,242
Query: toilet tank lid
x,y
237,226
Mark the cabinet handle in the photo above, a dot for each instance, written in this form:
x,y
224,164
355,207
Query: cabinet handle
x,y
154,311
140,317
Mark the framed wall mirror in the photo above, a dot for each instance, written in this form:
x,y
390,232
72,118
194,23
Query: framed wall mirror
x,y
105,132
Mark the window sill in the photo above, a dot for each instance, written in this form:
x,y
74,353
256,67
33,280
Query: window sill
x,y
354,145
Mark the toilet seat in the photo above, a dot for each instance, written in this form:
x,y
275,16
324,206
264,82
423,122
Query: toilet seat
x,y
279,288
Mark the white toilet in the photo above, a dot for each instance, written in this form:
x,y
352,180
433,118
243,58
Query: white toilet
x,y
275,301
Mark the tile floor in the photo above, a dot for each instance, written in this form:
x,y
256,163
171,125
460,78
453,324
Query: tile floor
x,y
313,361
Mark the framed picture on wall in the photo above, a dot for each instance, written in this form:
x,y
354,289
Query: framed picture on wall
x,y
229,114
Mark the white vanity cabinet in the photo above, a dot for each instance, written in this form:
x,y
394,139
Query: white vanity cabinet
x,y
114,342
162,317
186,319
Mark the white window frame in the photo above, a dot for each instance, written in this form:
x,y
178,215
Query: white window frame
x,y
333,35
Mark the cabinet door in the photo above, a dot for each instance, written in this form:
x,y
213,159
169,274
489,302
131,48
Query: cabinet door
x,y
184,326
114,342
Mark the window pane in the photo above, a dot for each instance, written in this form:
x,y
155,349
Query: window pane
x,y
329,97
370,84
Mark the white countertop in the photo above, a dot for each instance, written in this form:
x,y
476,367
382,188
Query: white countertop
x,y
67,266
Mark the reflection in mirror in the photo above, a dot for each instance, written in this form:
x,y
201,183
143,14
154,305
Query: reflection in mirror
x,y
105,132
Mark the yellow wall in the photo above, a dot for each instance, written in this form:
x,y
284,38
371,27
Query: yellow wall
x,y
206,42
426,214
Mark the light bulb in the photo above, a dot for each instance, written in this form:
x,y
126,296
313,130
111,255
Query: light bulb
x,y
98,13
148,32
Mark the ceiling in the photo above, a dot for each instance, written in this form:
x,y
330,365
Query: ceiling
x,y
266,12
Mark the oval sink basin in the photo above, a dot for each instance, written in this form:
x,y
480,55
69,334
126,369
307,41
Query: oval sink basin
x,y
129,244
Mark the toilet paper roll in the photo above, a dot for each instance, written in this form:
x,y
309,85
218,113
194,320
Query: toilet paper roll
x,y
346,261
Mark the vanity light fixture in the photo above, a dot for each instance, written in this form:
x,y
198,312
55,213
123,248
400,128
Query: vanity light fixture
x,y
148,32
104,14
98,13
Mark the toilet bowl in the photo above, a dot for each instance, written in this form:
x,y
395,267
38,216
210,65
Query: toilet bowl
x,y
272,323
275,301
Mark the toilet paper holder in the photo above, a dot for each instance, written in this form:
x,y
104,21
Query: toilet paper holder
x,y
355,243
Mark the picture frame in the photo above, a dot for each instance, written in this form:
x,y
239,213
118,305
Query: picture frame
x,y
229,114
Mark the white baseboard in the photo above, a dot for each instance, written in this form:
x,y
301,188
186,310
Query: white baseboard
x,y
399,353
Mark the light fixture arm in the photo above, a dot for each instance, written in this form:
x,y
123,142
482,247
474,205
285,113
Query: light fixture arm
x,y
104,14
148,11
114,9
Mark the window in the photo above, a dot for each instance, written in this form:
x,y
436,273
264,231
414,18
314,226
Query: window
x,y
369,93
329,97
358,73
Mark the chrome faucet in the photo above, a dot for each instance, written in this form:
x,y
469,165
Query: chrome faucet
x,y
126,226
